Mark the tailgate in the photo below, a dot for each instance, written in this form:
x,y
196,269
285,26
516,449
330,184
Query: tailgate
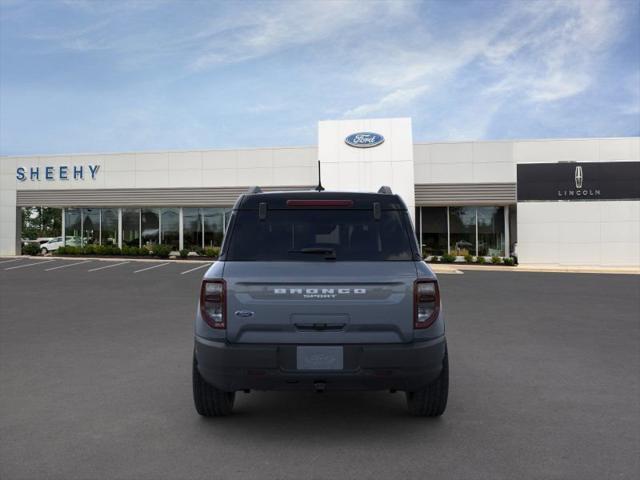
x,y
320,302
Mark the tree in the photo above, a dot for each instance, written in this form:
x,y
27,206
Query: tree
x,y
41,222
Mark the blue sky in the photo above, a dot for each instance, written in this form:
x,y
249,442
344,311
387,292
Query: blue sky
x,y
92,76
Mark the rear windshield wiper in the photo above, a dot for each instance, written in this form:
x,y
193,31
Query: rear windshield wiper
x,y
329,253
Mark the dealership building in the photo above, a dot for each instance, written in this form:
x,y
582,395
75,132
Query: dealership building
x,y
555,202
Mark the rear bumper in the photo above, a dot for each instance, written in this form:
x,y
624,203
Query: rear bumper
x,y
232,367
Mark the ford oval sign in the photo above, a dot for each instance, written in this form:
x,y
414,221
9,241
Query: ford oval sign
x,y
364,139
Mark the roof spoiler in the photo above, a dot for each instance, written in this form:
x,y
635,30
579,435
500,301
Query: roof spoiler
x,y
385,190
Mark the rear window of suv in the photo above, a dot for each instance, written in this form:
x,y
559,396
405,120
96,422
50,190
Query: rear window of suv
x,y
301,235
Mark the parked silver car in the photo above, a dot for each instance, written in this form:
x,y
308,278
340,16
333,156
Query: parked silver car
x,y
57,242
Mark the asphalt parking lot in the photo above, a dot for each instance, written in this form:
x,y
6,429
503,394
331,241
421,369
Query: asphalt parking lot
x,y
95,368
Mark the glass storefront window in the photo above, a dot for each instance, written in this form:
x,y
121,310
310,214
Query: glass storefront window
x,y
191,228
90,226
131,227
150,220
434,230
73,226
170,227
109,226
490,231
213,226
202,227
462,225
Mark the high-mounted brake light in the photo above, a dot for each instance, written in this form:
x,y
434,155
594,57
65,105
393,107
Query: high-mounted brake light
x,y
426,303
319,203
213,303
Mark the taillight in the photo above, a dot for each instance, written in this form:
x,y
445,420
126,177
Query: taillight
x,y
426,303
213,303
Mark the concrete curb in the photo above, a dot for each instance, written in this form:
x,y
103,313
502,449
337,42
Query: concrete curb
x,y
450,268
543,269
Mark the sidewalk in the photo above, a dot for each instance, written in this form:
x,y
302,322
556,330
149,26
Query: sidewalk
x,y
461,267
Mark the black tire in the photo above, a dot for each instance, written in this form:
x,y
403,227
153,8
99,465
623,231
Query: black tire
x,y
210,401
432,400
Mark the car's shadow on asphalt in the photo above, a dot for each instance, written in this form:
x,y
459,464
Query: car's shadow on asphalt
x,y
327,416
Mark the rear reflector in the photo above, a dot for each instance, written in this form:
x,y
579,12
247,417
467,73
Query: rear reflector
x,y
319,203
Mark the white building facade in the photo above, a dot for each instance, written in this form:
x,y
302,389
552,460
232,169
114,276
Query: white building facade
x,y
556,202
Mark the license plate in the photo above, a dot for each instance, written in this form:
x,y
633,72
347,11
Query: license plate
x,y
319,358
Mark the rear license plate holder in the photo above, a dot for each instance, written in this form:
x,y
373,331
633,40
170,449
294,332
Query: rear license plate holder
x,y
319,358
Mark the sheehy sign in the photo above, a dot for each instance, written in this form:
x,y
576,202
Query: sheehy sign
x,y
60,172
576,181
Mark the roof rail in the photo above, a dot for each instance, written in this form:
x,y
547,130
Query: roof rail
x,y
385,190
255,189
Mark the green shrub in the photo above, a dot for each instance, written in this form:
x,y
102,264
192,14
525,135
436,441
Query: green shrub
x,y
468,258
509,261
68,250
145,251
496,259
448,258
162,251
31,249
183,253
89,250
107,250
212,252
482,260
199,251
129,251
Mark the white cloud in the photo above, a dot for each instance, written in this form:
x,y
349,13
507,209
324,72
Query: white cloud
x,y
536,51
552,57
398,98
257,33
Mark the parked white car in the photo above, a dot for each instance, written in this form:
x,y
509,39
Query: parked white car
x,y
57,242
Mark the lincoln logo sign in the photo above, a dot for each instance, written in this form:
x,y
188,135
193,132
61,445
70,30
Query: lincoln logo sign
x,y
61,172
578,177
579,191
569,181
364,139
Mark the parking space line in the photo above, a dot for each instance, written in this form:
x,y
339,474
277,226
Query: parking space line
x,y
108,266
197,268
65,266
9,261
149,268
30,264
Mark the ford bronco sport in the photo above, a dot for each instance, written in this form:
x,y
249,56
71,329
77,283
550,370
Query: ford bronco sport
x,y
320,291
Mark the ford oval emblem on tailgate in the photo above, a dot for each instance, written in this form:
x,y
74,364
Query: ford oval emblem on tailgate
x,y
244,313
